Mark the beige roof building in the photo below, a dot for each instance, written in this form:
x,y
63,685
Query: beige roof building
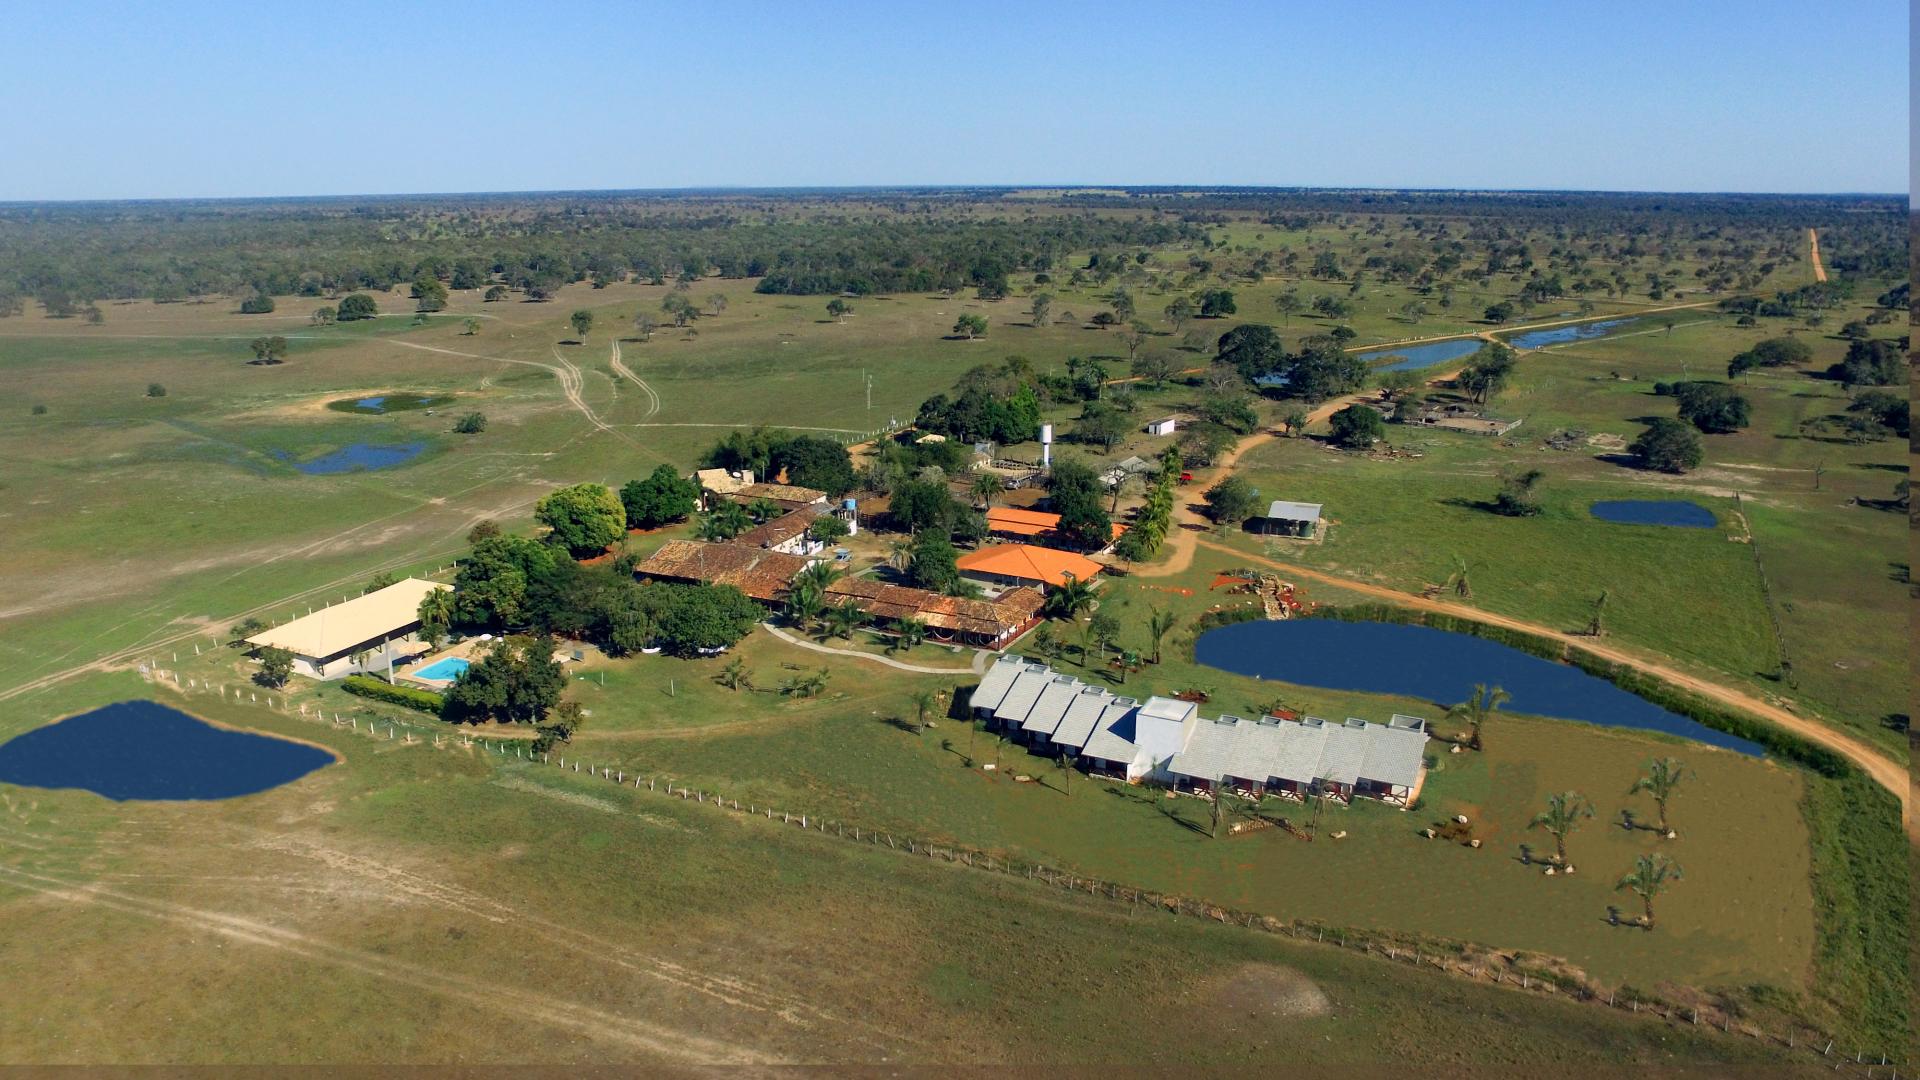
x,y
321,643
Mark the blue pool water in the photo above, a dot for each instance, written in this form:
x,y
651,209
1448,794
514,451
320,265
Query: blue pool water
x,y
1675,512
1436,665
1560,335
145,750
356,457
443,670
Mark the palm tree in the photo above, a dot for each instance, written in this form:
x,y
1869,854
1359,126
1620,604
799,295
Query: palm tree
x,y
1563,815
1159,623
805,602
1663,777
844,618
1065,763
900,554
724,522
1070,598
1457,581
763,510
985,488
734,675
921,700
909,633
1484,701
1650,876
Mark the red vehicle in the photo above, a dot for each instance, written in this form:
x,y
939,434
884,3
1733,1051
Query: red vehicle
x,y
1186,478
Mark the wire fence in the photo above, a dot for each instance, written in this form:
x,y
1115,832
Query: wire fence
x,y
1517,971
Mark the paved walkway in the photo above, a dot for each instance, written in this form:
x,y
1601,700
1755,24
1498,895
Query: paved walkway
x,y
858,655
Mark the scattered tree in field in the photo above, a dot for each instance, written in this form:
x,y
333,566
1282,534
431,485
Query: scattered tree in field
x,y
257,304
1288,304
645,324
469,327
323,316
1877,362
1252,349
1294,421
1231,501
1456,582
268,350
716,303
839,309
1713,407
1357,427
429,294
678,308
276,665
1596,625
1500,312
1651,875
155,390
472,423
1159,624
733,676
1041,309
355,307
495,292
1565,810
1662,779
1487,373
1667,445
1517,496
1477,709
1217,303
585,518
922,701
582,322
1180,311
970,326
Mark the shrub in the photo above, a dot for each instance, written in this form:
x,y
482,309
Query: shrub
x,y
471,424
367,686
154,389
355,307
257,304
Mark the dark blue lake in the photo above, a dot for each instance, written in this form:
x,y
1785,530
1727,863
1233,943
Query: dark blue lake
x,y
357,457
1677,513
145,750
1439,666
1560,335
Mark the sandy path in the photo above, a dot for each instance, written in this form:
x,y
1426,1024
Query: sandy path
x,y
1884,770
1813,246
625,372
898,665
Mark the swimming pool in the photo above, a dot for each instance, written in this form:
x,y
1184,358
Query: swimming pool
x,y
445,669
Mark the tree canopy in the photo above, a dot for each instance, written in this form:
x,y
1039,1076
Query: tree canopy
x,y
663,496
585,518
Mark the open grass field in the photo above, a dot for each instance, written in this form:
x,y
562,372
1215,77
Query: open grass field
x,y
413,884
406,906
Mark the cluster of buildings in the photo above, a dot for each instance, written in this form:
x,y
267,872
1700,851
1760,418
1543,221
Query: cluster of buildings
x,y
1166,740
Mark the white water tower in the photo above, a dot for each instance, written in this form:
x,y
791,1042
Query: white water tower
x,y
1046,446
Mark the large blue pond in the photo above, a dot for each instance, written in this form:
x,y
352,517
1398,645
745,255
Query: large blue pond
x,y
144,750
1560,335
1423,356
1437,665
1677,513
357,457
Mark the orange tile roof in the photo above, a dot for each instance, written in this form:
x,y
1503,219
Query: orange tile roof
x,y
1029,563
1018,522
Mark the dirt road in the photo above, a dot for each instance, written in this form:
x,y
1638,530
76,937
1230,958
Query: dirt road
x,y
1884,770
1813,247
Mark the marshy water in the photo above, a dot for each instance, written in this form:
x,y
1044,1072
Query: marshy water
x,y
1674,513
145,750
356,457
1440,666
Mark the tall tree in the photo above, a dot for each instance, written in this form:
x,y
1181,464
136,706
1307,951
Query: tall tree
x,y
1478,709
1651,875
585,518
1662,779
582,321
1565,810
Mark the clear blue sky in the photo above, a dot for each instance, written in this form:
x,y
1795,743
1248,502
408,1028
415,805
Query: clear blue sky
x,y
208,99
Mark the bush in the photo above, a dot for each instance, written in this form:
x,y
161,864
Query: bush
x,y
154,389
471,424
367,686
356,307
257,304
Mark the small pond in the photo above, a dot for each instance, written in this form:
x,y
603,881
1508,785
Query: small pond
x,y
1677,513
381,404
1423,356
1435,665
1560,335
145,750
356,457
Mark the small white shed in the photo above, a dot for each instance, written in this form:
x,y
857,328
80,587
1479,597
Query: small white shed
x,y
1162,427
